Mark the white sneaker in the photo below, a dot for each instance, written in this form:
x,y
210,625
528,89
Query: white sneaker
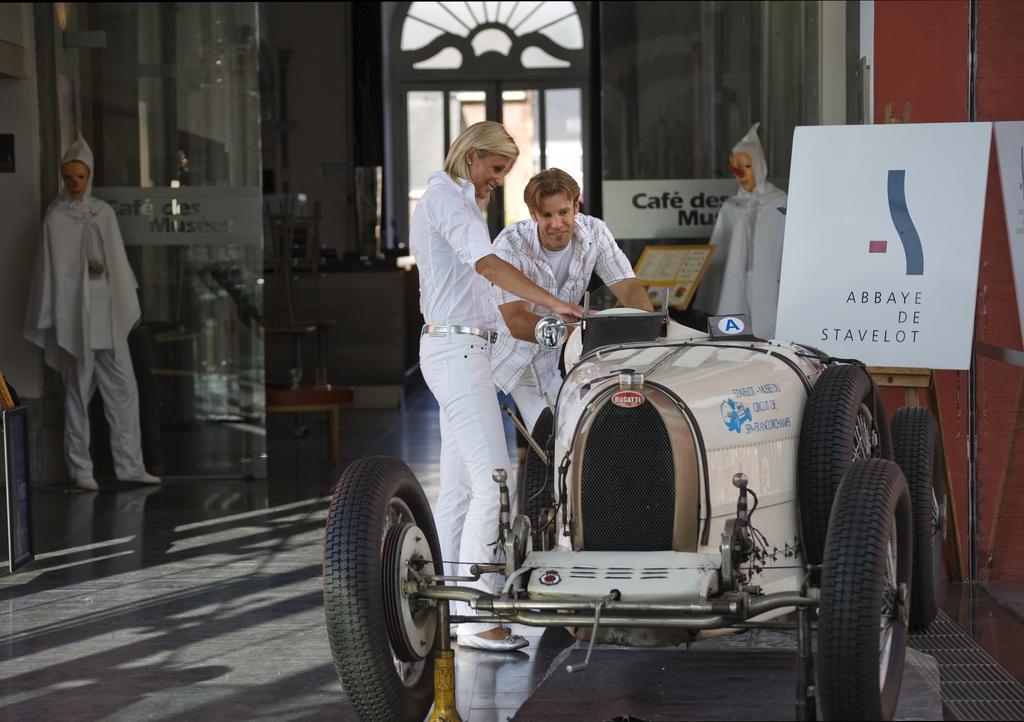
x,y
509,644
87,482
144,478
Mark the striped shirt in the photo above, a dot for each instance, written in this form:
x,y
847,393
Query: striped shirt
x,y
594,249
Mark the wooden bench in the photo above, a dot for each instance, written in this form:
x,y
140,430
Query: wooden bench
x,y
326,399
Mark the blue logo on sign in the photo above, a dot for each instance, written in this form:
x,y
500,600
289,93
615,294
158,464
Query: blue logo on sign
x,y
904,223
735,414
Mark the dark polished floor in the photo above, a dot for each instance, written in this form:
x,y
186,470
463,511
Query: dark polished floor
x,y
202,599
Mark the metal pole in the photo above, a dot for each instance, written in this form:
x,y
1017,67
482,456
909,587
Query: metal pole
x,y
972,397
806,707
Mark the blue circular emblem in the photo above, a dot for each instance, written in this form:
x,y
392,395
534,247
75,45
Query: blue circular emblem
x,y
731,325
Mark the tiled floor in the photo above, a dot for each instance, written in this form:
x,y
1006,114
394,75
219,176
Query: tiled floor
x,y
202,600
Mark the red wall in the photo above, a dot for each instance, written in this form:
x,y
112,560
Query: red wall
x,y
1000,96
921,56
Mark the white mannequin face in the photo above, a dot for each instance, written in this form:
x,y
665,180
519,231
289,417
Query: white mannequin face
x,y
743,168
487,172
556,221
75,175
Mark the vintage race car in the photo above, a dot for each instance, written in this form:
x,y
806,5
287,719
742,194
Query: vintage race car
x,y
686,482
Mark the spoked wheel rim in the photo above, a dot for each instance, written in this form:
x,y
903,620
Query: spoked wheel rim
x,y
866,442
890,616
396,516
938,530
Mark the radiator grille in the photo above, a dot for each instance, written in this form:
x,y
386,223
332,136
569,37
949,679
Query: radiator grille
x,y
628,484
619,573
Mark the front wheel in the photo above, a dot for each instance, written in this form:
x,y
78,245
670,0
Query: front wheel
x,y
865,594
379,529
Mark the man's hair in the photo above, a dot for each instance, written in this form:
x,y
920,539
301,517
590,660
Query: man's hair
x,y
487,137
550,182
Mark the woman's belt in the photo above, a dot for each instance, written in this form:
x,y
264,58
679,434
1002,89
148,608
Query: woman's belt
x,y
483,333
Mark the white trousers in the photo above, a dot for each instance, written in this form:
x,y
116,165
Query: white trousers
x,y
457,368
529,397
116,381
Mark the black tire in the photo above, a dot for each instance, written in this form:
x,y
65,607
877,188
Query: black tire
x,y
862,624
915,438
538,493
372,496
842,399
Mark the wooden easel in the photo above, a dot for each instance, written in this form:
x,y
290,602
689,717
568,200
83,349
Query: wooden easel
x,y
911,380
1013,358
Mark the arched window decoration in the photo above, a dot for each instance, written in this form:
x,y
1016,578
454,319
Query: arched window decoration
x,y
451,64
503,36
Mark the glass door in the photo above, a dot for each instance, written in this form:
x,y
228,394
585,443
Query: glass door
x,y
546,123
434,118
171,108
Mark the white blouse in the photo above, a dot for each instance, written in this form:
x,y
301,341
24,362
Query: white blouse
x,y
447,236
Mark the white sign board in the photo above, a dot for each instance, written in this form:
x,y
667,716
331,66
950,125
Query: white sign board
x,y
187,216
1010,149
883,237
664,208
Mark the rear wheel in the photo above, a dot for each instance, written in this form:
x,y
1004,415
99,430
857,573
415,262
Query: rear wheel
x,y
865,590
843,422
538,495
915,440
379,529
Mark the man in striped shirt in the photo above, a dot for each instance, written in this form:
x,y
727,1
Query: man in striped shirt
x,y
558,249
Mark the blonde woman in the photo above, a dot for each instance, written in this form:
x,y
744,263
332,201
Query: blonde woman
x,y
457,265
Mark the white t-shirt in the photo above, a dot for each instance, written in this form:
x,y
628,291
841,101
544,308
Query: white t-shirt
x,y
560,262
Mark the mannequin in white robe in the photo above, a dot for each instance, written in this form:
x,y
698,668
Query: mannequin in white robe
x,y
747,263
82,304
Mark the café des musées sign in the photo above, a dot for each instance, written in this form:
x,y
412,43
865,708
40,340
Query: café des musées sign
x,y
664,208
187,216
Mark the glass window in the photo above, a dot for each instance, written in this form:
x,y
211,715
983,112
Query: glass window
x,y
427,25
438,16
425,120
520,115
683,82
516,53
534,57
563,137
171,108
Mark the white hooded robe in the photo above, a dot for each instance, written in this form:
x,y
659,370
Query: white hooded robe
x,y
746,267
73,318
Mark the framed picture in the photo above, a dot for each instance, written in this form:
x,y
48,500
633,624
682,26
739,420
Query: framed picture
x,y
6,400
678,268
19,491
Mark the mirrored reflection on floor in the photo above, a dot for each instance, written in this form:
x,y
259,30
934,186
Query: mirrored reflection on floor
x,y
201,599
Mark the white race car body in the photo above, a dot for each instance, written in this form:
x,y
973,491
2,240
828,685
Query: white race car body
x,y
723,407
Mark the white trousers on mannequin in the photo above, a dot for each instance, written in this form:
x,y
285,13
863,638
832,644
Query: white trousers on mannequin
x,y
457,368
115,379
529,396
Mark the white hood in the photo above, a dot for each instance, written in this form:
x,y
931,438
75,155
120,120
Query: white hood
x,y
57,317
81,152
751,145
